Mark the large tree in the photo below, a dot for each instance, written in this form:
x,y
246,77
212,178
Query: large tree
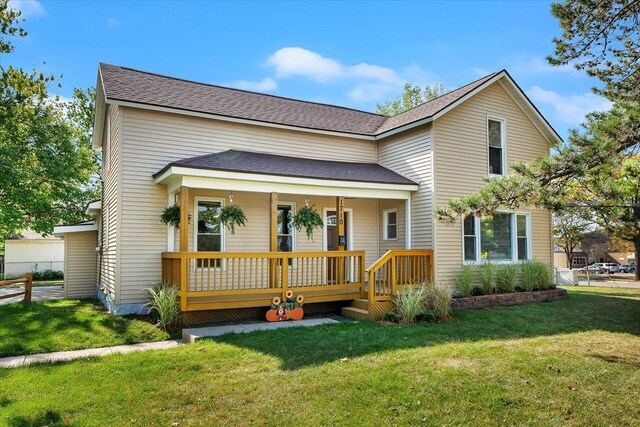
x,y
46,161
569,226
411,96
605,139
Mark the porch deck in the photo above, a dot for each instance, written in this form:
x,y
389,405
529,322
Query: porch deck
x,y
221,280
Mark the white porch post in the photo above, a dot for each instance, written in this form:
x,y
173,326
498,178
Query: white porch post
x,y
407,222
171,200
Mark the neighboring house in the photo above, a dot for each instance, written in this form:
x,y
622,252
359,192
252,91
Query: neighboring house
x,y
28,251
596,246
376,181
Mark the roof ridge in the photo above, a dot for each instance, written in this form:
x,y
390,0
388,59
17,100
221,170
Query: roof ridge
x,y
189,159
243,90
438,97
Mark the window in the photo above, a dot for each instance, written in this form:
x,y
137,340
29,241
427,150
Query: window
x,y
495,131
501,237
579,260
391,224
285,230
523,237
208,230
469,231
495,237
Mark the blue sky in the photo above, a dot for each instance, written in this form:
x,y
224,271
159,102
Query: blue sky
x,y
352,54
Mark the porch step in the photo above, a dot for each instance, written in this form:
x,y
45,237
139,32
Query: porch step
x,y
362,303
355,313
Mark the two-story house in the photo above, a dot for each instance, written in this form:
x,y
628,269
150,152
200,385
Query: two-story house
x,y
374,179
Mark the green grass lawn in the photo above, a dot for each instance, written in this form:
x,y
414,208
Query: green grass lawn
x,y
41,327
570,362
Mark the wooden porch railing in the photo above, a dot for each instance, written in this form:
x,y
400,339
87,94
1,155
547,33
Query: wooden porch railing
x,y
28,286
397,269
211,280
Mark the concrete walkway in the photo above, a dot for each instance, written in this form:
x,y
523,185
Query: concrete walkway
x,y
192,334
189,335
16,361
38,293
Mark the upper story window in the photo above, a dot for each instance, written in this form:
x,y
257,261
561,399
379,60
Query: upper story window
x,y
501,237
391,224
496,137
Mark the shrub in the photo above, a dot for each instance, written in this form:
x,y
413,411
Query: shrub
x,y
390,317
427,316
410,302
486,278
506,277
463,280
48,275
164,302
535,275
438,302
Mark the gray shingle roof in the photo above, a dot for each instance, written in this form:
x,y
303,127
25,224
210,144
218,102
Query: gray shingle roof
x,y
127,84
269,164
430,108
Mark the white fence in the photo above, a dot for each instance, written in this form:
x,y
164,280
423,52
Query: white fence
x,y
566,277
18,269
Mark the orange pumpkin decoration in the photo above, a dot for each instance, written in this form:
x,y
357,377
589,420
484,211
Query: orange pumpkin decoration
x,y
297,313
272,316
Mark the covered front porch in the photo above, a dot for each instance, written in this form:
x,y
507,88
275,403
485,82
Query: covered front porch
x,y
362,253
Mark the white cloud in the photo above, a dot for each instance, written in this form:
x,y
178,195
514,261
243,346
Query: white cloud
x,y
28,7
570,109
539,65
292,61
265,85
373,82
372,91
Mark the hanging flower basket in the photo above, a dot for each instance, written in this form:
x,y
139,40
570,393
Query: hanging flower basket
x,y
171,216
307,218
232,216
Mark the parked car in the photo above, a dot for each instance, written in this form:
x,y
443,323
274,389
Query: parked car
x,y
593,268
627,268
611,267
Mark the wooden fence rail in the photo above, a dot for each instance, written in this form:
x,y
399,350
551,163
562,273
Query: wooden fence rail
x,y
28,286
209,280
397,269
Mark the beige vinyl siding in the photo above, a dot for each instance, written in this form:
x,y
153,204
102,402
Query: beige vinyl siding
x,y
411,154
461,164
111,147
400,242
153,139
80,264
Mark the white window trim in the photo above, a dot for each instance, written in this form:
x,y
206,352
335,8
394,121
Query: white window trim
x,y
514,239
386,223
195,226
503,144
294,236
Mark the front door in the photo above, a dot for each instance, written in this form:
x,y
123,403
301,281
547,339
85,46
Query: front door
x,y
332,241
